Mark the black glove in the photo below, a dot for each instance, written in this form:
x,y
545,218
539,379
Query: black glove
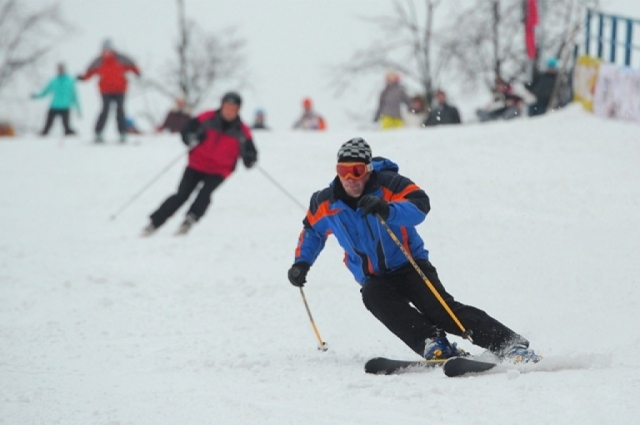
x,y
249,153
298,274
193,134
373,205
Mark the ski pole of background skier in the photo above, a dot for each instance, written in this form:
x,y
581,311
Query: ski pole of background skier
x,y
279,186
148,185
466,333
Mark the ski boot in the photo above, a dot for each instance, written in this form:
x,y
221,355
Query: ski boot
x,y
439,348
149,230
186,225
519,352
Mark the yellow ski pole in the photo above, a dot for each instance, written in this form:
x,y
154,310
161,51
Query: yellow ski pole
x,y
322,346
465,333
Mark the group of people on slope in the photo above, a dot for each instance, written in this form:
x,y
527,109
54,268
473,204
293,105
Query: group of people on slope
x,y
112,68
509,100
396,109
512,100
309,120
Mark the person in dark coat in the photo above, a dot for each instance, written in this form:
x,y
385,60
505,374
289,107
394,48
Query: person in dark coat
x,y
367,201
176,118
542,87
216,139
442,112
259,120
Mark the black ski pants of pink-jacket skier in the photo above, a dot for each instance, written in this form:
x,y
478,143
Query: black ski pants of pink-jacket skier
x,y
190,180
403,302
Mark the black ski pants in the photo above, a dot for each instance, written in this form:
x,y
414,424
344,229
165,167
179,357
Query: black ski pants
x,y
107,99
53,113
190,180
406,306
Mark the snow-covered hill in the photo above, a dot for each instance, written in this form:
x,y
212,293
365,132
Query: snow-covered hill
x,y
535,221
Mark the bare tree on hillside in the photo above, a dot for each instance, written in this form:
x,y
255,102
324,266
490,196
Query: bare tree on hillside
x,y
486,39
26,36
203,60
404,45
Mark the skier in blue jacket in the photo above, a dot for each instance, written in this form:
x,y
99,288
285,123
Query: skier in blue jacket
x,y
365,191
63,88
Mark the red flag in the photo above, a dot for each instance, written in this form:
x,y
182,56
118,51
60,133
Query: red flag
x,y
530,23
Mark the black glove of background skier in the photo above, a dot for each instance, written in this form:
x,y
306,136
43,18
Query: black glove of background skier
x,y
373,205
193,134
249,153
298,274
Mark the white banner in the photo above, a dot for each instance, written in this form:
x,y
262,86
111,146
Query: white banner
x,y
617,93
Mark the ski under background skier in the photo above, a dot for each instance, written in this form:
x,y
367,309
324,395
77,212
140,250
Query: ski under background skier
x,y
216,139
391,288
63,89
111,67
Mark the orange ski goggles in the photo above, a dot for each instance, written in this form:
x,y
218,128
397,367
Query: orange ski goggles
x,y
353,170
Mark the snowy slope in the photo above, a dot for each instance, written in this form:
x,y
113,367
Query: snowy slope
x,y
535,221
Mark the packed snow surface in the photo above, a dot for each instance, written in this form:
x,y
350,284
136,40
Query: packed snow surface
x,y
535,221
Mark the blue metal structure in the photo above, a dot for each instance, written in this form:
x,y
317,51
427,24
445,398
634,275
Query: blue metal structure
x,y
603,37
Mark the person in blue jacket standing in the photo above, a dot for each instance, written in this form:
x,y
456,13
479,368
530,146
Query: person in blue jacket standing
x,y
366,200
63,89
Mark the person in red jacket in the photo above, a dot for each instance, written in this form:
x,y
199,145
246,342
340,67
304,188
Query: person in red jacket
x,y
216,139
111,67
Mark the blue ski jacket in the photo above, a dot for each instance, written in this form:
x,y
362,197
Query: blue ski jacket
x,y
369,249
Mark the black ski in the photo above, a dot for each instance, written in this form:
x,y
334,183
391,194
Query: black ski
x,y
460,366
384,366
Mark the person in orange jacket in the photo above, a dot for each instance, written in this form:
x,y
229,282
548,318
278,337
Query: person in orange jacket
x,y
111,67
310,119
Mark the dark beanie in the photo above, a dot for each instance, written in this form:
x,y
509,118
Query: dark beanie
x,y
232,97
355,150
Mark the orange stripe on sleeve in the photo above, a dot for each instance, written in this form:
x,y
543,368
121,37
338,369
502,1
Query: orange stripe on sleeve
x,y
405,239
323,211
391,196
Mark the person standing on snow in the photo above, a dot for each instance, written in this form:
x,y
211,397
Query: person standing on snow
x,y
391,99
366,190
111,67
176,118
216,140
63,88
310,119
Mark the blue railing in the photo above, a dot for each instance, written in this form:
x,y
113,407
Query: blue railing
x,y
612,38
